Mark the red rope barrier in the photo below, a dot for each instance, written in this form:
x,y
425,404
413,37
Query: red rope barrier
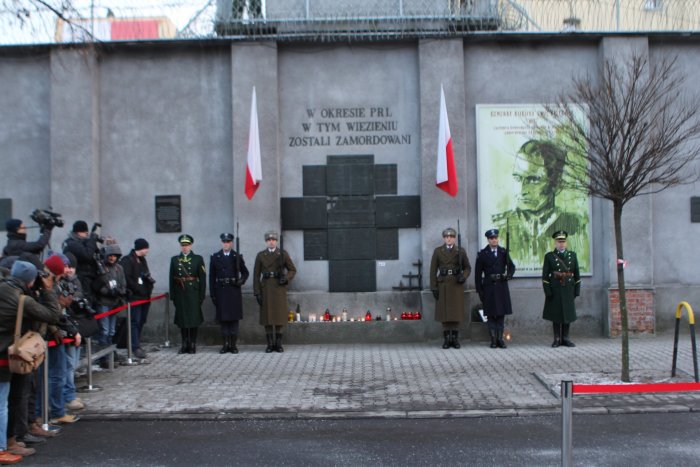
x,y
123,307
634,388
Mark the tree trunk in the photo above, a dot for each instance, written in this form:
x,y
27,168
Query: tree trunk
x,y
617,218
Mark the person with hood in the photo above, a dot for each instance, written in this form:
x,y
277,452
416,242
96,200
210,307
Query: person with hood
x,y
83,245
17,239
110,291
140,285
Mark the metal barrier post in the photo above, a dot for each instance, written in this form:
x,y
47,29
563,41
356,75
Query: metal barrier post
x,y
45,392
691,322
566,423
167,320
129,355
90,387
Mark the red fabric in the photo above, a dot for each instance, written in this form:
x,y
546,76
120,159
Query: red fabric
x,y
634,388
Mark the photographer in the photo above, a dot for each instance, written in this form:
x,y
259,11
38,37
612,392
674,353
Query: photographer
x,y
140,284
110,291
83,245
17,239
80,312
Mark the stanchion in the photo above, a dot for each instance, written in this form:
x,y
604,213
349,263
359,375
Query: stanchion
x,y
129,355
166,344
45,392
566,423
90,387
691,323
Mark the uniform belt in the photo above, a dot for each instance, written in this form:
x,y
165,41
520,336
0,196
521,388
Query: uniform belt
x,y
227,280
187,278
562,275
498,277
449,272
267,275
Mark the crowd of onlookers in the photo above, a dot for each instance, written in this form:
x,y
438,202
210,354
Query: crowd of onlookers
x,y
63,293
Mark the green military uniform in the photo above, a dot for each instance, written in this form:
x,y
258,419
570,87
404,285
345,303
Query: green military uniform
x,y
449,268
561,281
188,280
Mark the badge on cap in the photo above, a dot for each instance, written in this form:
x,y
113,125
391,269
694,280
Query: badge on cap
x,y
271,235
491,233
449,232
185,239
226,237
560,235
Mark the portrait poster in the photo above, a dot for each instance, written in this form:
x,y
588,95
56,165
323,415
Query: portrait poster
x,y
523,192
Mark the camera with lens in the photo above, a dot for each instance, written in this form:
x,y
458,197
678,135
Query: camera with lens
x,y
46,219
147,278
81,306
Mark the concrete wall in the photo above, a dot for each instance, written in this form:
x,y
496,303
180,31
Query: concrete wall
x,y
98,135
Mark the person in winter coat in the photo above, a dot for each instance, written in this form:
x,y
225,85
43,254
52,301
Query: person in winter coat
x,y
17,239
188,287
140,285
492,271
109,288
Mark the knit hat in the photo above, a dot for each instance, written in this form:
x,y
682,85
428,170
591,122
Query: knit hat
x,y
140,244
80,226
24,271
55,265
12,225
72,260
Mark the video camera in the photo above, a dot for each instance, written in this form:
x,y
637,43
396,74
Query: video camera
x,y
46,219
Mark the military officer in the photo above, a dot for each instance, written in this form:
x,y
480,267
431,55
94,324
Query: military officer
x,y
188,280
493,270
227,273
562,284
449,269
273,271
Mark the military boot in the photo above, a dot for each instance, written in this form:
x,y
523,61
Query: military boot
x,y
455,340
565,336
193,341
557,334
185,345
492,333
232,344
446,342
226,345
278,344
499,340
270,345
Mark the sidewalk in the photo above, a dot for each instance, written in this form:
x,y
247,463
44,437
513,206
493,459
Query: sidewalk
x,y
389,381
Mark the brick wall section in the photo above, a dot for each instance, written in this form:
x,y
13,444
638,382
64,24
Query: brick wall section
x,y
640,312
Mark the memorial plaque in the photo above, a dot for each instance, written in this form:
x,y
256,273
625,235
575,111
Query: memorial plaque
x,y
5,211
397,211
315,245
168,214
314,180
350,179
304,213
351,243
351,212
352,276
360,159
387,244
385,179
695,209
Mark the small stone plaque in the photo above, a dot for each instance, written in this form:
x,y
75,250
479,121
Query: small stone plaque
x,y
695,209
5,211
352,276
168,214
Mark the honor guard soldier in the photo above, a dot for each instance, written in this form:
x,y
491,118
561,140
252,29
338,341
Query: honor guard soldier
x,y
188,281
493,270
561,281
449,269
273,271
227,273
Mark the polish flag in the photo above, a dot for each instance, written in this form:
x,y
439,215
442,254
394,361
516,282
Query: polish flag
x,y
253,173
446,171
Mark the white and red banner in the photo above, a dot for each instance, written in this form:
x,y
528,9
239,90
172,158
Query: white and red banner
x,y
253,173
446,172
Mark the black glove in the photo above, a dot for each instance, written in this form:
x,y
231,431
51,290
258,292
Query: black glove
x,y
282,280
481,298
258,298
213,300
461,279
436,293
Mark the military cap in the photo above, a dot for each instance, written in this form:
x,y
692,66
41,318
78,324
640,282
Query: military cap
x,y
491,233
226,237
271,235
449,232
560,235
185,239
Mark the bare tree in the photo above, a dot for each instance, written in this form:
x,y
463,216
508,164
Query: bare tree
x,y
640,137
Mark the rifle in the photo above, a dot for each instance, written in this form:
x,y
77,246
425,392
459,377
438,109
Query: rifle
x,y
461,279
238,256
281,276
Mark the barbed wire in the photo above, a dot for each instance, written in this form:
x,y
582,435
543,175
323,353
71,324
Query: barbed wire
x,y
46,21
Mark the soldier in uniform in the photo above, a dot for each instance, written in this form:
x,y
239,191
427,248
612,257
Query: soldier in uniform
x,y
273,271
493,270
227,273
188,282
562,284
449,269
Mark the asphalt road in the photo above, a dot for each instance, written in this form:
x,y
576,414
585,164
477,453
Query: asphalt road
x,y
668,439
